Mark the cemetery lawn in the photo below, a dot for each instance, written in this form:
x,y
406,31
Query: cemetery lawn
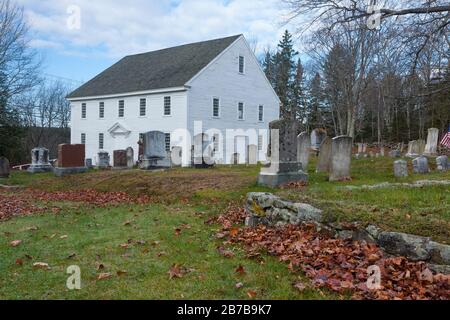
x,y
138,244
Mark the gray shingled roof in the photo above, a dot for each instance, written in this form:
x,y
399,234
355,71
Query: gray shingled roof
x,y
166,68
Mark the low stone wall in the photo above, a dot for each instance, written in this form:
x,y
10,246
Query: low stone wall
x,y
270,210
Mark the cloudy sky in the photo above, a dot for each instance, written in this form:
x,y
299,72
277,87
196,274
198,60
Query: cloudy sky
x,y
110,29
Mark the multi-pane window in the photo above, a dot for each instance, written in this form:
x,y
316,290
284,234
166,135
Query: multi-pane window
x,y
260,142
167,106
121,108
101,140
101,110
216,107
261,114
142,107
240,111
241,64
83,138
83,110
167,140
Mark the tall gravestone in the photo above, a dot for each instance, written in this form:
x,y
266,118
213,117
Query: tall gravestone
x,y
442,163
155,154
432,142
420,165
317,137
341,157
415,148
283,167
323,164
120,159
176,156
303,150
40,161
252,154
130,157
4,168
103,160
203,156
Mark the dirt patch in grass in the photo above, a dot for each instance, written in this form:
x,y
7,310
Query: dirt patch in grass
x,y
165,186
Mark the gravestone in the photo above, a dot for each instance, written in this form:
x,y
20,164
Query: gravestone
x,y
432,142
89,163
323,164
176,156
382,152
103,160
71,160
415,148
40,161
4,168
400,168
317,137
395,154
341,157
283,167
235,158
120,159
420,165
130,158
303,150
442,163
252,154
203,155
155,154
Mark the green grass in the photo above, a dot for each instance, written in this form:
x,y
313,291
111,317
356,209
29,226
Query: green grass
x,y
189,196
95,235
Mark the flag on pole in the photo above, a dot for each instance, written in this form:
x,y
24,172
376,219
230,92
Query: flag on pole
x,y
446,139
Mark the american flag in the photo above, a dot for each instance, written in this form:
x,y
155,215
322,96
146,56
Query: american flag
x,y
446,139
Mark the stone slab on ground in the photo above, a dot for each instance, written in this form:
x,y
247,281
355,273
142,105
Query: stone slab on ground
x,y
60,172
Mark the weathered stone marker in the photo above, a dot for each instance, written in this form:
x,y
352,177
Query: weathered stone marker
x,y
341,157
89,163
103,160
202,151
442,163
283,167
323,165
395,154
40,161
155,155
400,168
317,137
130,158
415,148
432,142
420,165
120,159
4,168
252,154
235,158
303,150
176,156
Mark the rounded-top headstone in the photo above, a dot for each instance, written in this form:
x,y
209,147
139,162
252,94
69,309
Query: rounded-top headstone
x,y
341,157
420,165
400,168
4,168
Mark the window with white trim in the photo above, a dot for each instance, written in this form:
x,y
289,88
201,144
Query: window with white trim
x,y
167,140
143,107
101,110
167,106
83,138
260,142
240,111
261,114
241,64
121,108
216,107
83,111
101,141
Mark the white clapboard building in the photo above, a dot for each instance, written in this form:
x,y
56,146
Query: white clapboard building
x,y
215,87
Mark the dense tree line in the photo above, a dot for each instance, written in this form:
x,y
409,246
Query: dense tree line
x,y
382,83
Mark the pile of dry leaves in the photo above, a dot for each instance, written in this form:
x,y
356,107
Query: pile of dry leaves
x,y
339,265
24,202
